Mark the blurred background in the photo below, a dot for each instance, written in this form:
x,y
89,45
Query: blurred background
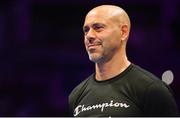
x,y
42,55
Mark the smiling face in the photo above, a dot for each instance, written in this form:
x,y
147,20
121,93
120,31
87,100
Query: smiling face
x,y
103,35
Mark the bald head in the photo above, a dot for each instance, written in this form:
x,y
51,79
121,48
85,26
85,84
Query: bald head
x,y
115,13
106,31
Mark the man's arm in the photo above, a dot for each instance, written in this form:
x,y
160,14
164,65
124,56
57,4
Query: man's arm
x,y
159,101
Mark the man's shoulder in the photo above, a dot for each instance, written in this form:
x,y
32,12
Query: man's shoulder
x,y
141,79
143,75
81,87
145,80
77,92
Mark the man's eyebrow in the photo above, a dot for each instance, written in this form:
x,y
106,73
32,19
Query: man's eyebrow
x,y
97,23
94,24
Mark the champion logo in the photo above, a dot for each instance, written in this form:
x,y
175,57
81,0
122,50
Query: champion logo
x,y
81,108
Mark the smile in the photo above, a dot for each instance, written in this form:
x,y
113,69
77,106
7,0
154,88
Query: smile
x,y
93,45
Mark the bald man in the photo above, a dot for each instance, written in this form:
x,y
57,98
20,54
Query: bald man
x,y
118,87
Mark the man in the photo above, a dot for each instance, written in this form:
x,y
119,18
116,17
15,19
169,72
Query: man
x,y
118,87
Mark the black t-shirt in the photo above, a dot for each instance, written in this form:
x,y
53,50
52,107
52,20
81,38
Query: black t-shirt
x,y
134,92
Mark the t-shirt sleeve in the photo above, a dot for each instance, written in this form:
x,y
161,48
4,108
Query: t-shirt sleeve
x,y
159,100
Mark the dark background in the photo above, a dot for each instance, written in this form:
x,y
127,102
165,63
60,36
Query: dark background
x,y
42,55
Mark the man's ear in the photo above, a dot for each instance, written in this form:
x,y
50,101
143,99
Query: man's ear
x,y
124,31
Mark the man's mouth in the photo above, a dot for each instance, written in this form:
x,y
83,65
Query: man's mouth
x,y
93,45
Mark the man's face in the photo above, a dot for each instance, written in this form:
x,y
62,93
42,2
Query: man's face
x,y
101,37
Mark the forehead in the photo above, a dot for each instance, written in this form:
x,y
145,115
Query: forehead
x,y
92,18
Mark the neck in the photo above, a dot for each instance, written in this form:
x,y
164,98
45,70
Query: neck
x,y
111,68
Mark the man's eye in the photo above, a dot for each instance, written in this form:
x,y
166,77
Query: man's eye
x,y
98,27
86,29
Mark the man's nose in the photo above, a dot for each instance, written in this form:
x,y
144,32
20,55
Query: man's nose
x,y
90,36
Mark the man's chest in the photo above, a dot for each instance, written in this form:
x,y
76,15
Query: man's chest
x,y
106,102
